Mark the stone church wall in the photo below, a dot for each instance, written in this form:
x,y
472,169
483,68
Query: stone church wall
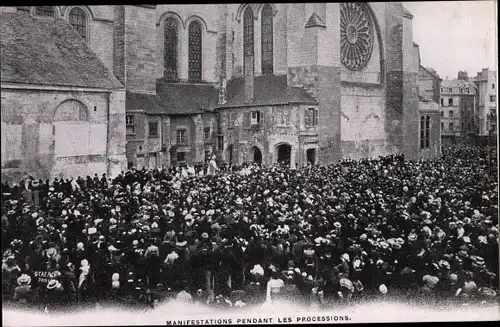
x,y
207,15
33,142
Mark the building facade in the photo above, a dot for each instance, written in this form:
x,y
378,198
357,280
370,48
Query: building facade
x,y
62,109
429,94
459,118
487,101
289,82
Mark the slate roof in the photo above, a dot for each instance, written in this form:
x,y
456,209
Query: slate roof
x,y
139,101
422,99
405,12
456,83
48,51
268,90
175,99
430,71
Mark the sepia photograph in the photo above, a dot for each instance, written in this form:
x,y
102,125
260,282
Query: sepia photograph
x,y
249,163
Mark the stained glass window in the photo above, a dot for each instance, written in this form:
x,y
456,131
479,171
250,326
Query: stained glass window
x,y
248,36
195,51
170,53
45,11
78,19
267,39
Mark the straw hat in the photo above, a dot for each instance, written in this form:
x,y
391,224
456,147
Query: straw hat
x,y
53,284
24,280
346,283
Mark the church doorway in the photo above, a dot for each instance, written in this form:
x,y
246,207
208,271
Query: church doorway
x,y
229,154
311,156
257,155
284,154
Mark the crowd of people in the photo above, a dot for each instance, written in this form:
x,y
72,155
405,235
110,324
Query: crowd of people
x,y
321,234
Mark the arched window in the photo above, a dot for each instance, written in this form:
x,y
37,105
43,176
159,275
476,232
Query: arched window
x,y
171,45
267,39
427,131
248,60
78,19
422,132
45,11
71,110
195,52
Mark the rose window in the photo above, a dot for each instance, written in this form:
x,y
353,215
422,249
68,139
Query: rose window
x,y
356,35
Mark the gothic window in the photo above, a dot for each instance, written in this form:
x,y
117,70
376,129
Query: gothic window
x,y
195,51
171,45
267,39
78,19
427,131
356,35
45,11
248,36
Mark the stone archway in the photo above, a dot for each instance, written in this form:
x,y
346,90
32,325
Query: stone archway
x,y
284,153
256,155
311,156
230,154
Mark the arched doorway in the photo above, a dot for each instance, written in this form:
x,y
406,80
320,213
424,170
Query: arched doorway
x,y
311,156
256,155
229,154
284,154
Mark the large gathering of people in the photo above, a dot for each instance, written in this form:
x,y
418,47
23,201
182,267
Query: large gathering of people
x,y
247,235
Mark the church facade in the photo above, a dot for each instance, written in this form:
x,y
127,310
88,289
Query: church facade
x,y
264,82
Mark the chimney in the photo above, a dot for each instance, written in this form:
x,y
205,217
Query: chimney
x,y
462,75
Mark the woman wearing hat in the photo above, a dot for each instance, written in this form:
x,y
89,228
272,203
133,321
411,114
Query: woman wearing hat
x,y
23,292
274,287
10,273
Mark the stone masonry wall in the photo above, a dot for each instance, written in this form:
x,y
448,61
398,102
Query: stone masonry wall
x,y
140,49
394,77
29,134
323,83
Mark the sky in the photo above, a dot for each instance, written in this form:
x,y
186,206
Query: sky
x,y
456,35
